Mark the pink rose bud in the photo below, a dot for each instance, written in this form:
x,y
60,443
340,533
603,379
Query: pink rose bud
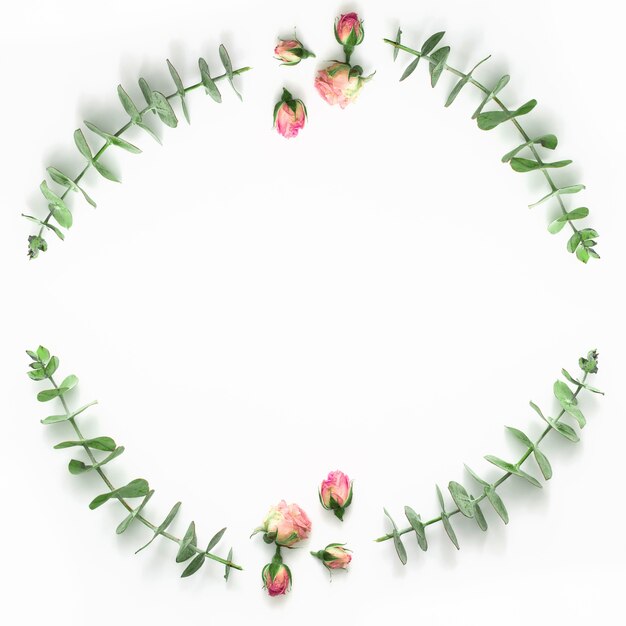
x,y
276,577
349,30
285,524
336,493
334,556
291,52
289,115
340,83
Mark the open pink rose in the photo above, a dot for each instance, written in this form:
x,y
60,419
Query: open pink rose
x,y
286,524
340,83
291,51
276,578
349,30
336,493
289,115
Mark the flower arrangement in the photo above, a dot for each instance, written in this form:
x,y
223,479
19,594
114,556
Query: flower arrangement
x,y
287,525
340,83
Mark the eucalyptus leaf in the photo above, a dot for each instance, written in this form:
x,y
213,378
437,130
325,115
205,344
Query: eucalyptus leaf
x,y
113,139
496,502
410,68
397,541
416,523
512,469
576,214
492,119
163,526
475,476
129,105
564,429
180,89
64,180
461,498
398,40
479,517
568,402
558,192
228,66
449,530
546,141
134,489
46,396
528,165
500,85
194,566
146,92
462,82
518,434
543,463
215,539
104,171
431,43
438,64
81,144
52,367
208,82
229,558
126,522
104,444
187,544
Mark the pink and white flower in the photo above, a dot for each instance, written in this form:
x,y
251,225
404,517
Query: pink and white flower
x,y
291,51
340,83
276,578
349,30
334,556
285,524
289,115
336,493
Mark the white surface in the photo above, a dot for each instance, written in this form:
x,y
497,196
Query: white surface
x,y
252,312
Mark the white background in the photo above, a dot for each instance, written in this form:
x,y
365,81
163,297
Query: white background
x,y
253,312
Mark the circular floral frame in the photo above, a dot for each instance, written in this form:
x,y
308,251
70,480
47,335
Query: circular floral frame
x,y
44,365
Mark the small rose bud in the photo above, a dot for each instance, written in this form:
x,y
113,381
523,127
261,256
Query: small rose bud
x,y
349,30
289,115
334,556
276,577
285,524
340,83
291,51
336,493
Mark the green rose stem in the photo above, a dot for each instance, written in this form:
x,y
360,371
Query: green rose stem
x,y
500,480
553,187
122,130
110,486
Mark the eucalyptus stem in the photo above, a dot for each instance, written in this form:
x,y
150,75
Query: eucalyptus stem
x,y
503,107
126,127
500,480
123,502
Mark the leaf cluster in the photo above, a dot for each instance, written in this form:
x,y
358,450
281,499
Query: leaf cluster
x,y
467,499
526,156
59,218
42,368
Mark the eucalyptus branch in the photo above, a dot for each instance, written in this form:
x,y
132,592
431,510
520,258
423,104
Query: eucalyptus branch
x,y
158,104
582,241
466,503
43,367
